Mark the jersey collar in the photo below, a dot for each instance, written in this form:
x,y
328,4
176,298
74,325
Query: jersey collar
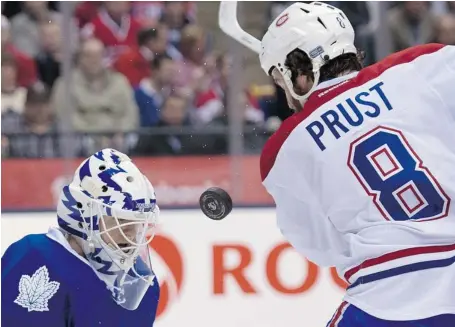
x,y
336,81
56,235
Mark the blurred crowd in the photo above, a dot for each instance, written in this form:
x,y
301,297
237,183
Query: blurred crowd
x,y
137,66
145,66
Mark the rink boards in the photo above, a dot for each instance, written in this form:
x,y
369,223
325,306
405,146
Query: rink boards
x,y
238,272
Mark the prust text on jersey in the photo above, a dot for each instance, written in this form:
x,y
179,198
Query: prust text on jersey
x,y
349,113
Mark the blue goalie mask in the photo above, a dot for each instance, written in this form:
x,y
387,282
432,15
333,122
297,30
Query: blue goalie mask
x,y
110,209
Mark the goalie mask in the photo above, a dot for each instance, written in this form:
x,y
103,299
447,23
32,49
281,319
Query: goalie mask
x,y
110,208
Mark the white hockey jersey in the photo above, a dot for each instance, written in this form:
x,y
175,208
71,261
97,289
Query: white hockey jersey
x,y
363,179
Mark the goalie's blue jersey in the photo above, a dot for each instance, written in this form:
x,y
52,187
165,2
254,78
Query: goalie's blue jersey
x,y
44,284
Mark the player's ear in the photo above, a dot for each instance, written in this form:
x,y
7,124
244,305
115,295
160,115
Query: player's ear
x,y
303,84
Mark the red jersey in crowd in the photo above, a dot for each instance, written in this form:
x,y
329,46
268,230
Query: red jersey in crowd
x,y
26,66
117,39
86,11
134,64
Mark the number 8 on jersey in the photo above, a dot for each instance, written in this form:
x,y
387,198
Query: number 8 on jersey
x,y
391,172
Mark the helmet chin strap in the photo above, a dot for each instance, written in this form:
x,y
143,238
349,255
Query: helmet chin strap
x,y
91,246
301,98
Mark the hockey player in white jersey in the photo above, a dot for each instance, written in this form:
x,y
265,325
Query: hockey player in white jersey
x,y
94,268
363,174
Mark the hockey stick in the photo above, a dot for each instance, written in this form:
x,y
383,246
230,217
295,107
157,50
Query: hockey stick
x,y
227,19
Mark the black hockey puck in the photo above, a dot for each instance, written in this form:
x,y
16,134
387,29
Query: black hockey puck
x,y
215,203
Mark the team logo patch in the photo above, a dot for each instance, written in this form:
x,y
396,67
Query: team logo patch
x,y
283,19
316,52
35,291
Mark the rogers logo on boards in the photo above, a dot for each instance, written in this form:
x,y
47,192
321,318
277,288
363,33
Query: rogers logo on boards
x,y
171,282
238,273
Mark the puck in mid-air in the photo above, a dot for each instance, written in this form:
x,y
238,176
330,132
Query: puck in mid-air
x,y
215,203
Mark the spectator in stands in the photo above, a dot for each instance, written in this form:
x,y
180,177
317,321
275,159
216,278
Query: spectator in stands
x,y
411,23
253,112
191,69
210,101
175,17
173,114
24,26
150,12
86,11
152,91
147,12
38,116
115,27
174,111
170,50
446,30
26,68
254,116
102,99
13,96
12,101
210,95
49,58
35,126
136,62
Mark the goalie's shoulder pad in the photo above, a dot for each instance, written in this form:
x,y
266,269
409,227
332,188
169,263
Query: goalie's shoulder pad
x,y
31,286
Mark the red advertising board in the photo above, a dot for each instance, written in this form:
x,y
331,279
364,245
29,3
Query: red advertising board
x,y
35,184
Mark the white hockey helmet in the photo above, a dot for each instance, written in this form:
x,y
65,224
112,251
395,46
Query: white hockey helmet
x,y
321,31
110,207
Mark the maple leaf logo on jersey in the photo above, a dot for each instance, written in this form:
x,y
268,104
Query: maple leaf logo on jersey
x,y
35,291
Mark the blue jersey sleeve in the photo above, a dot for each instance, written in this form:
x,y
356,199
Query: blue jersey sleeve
x,y
148,109
31,292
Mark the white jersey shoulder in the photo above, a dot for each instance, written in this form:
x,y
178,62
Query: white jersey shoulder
x,y
363,177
